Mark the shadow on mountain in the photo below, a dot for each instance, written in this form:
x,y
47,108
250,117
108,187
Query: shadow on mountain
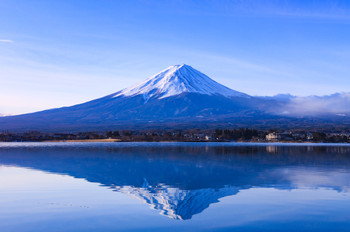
x,y
183,180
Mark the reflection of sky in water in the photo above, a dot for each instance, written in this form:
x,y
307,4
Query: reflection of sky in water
x,y
316,178
254,189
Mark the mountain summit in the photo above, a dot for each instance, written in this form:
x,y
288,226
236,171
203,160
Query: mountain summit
x,y
178,79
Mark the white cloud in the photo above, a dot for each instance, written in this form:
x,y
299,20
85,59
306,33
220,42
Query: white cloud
x,y
338,103
6,41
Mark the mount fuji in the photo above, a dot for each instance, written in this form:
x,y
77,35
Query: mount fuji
x,y
176,80
178,96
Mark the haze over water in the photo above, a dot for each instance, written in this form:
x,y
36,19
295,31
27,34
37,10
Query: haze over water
x,y
173,186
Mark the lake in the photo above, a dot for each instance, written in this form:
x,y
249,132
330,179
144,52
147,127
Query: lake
x,y
174,187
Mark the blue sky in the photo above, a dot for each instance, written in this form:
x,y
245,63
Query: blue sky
x,y
59,53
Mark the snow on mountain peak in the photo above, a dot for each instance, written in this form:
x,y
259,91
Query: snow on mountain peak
x,y
174,202
178,79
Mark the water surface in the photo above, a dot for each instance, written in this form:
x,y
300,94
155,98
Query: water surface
x,y
174,186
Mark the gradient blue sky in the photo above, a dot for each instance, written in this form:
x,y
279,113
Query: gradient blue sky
x,y
59,53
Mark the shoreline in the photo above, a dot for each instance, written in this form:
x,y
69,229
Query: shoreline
x,y
80,141
198,142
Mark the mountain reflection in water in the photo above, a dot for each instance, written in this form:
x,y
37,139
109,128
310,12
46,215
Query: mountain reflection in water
x,y
181,180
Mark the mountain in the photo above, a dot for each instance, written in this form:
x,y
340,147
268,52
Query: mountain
x,y
176,80
178,96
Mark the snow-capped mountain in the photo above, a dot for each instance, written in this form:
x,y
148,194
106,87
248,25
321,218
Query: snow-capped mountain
x,y
178,79
176,203
178,94
181,96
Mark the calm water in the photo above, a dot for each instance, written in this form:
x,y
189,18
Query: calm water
x,y
174,187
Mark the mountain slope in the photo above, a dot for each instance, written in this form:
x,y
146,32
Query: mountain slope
x,y
186,109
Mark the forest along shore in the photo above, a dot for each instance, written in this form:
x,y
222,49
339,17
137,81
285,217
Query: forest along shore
x,y
190,135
